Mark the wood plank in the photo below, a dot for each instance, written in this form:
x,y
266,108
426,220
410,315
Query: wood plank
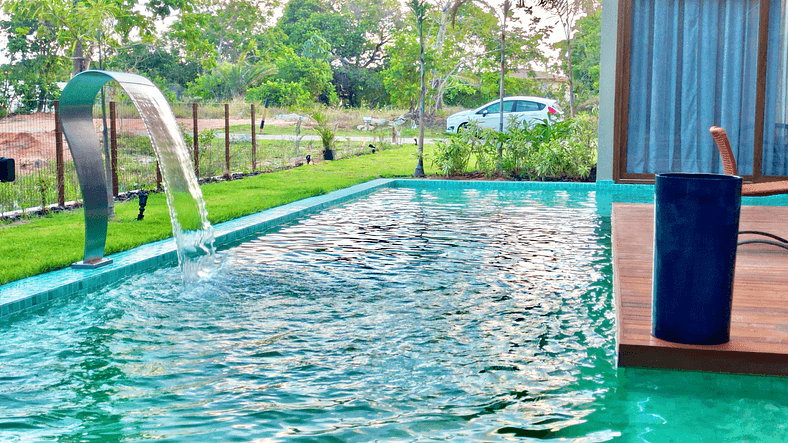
x,y
759,319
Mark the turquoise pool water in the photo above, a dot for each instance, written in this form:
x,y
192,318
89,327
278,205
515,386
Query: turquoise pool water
x,y
407,315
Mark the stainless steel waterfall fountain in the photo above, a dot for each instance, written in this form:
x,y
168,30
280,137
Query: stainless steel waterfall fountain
x,y
193,233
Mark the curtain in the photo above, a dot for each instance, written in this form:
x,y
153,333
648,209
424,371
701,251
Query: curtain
x,y
692,65
775,125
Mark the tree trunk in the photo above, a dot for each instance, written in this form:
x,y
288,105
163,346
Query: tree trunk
x,y
503,74
499,160
571,77
419,172
80,63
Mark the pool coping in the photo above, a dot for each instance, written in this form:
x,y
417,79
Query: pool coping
x,y
35,292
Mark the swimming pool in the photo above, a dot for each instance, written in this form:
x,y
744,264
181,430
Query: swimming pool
x,y
407,315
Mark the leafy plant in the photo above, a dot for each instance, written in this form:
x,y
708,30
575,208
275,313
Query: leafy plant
x,y
280,93
451,157
324,128
536,152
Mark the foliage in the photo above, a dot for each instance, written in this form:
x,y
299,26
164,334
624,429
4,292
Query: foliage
x,y
462,55
487,90
401,78
313,74
98,26
213,32
586,46
324,128
354,54
28,81
561,148
157,63
358,87
230,80
567,11
279,93
350,36
451,156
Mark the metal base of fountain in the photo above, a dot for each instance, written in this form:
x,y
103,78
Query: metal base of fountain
x,y
95,265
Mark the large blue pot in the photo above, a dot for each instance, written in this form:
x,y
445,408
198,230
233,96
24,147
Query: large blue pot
x,y
696,224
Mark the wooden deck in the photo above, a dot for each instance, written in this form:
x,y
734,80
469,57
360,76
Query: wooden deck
x,y
759,321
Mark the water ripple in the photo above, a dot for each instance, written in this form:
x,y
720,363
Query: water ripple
x,y
406,316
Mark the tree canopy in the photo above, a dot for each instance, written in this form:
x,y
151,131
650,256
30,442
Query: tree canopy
x,y
360,53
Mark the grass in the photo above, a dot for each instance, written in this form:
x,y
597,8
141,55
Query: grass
x,y
44,244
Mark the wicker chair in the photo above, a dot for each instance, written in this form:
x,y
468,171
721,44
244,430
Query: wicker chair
x,y
749,189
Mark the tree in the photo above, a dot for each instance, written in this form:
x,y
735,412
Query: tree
x,y
157,63
567,11
585,59
314,74
402,75
217,31
96,26
419,10
457,49
229,81
356,34
29,78
503,15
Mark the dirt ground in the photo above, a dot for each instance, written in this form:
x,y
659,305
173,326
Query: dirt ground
x,y
30,139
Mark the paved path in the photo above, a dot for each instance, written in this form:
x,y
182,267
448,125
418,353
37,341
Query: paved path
x,y
352,138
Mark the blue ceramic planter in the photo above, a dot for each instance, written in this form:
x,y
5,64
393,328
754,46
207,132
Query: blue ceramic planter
x,y
696,224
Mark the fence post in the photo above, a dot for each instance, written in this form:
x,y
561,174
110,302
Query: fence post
x,y
113,148
195,142
60,167
254,143
227,140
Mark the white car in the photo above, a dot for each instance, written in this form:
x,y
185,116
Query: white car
x,y
527,110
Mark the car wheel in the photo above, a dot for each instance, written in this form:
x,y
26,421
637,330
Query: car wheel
x,y
462,128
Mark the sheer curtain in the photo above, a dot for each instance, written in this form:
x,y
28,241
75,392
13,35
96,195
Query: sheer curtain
x,y
693,65
775,125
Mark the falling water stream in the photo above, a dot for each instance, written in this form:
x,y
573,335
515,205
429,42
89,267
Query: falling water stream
x,y
190,226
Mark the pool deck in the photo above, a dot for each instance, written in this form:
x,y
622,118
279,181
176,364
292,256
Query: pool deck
x,y
759,320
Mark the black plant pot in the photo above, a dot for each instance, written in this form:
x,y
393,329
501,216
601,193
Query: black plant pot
x,y
696,224
328,154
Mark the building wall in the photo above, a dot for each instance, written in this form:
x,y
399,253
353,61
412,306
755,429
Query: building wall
x,y
607,83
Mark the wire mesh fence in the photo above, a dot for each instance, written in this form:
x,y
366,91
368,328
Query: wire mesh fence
x,y
228,142
30,140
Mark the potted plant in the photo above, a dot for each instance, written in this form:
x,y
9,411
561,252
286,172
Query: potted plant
x,y
326,131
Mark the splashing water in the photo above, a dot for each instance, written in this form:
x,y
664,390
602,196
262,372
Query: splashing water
x,y
190,226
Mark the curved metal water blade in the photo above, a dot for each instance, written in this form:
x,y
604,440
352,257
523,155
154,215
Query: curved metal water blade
x,y
193,233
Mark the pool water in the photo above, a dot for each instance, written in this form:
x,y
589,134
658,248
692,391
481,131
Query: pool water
x,y
407,315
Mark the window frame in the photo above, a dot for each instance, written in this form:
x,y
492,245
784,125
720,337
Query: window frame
x,y
621,106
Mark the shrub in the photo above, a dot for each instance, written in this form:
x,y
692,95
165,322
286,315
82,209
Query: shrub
x,y
559,149
280,93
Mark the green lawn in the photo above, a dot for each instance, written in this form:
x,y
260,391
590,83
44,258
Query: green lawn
x,y
44,244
